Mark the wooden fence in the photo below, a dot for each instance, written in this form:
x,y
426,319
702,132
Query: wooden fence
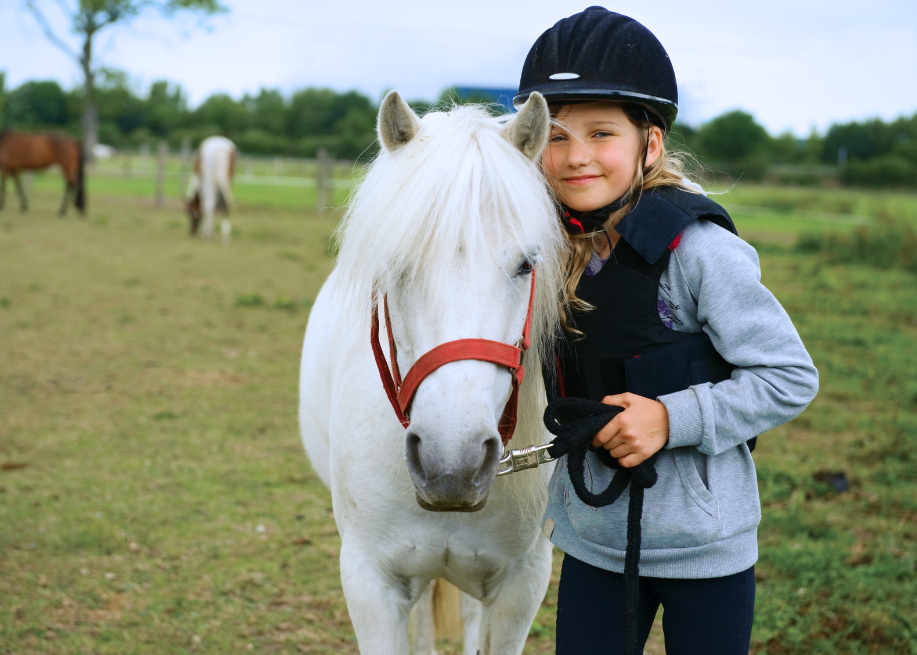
x,y
322,173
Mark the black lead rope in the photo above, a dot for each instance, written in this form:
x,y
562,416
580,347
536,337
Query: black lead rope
x,y
575,422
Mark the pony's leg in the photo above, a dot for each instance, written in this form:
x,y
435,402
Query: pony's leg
x,y
471,618
2,189
23,202
209,206
378,609
225,197
507,614
68,190
423,627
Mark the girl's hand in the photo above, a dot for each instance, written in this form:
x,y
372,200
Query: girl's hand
x,y
637,433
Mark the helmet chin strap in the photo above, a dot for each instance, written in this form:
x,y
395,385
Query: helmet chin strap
x,y
646,147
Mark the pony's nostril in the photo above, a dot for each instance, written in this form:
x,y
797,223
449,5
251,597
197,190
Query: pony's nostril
x,y
492,450
412,446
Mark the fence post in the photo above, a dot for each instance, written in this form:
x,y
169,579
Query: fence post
x,y
185,163
161,173
322,179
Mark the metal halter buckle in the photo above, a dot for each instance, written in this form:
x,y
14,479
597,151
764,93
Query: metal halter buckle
x,y
524,458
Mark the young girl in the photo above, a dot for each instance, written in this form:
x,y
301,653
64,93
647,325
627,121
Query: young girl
x,y
671,323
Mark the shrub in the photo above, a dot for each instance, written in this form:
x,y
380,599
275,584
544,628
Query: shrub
x,y
890,243
259,142
881,171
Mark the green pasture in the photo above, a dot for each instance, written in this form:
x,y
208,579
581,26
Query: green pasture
x,y
155,497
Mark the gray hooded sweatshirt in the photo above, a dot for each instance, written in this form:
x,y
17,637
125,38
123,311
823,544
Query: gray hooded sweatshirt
x,y
700,519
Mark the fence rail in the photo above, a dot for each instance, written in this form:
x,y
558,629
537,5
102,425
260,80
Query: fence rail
x,y
322,173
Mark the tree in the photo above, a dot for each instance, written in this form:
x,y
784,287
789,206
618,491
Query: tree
x,y
37,104
311,112
732,137
222,113
89,17
786,148
164,108
269,111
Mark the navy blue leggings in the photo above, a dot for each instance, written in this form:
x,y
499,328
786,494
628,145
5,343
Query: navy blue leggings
x,y
712,616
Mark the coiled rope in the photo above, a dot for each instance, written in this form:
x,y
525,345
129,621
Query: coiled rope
x,y
575,422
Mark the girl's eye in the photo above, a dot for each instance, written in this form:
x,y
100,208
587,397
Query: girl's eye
x,y
557,138
525,267
602,134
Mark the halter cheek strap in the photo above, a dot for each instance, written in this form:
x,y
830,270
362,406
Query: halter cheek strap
x,y
400,394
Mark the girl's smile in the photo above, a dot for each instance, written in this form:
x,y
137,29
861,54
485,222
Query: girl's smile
x,y
581,180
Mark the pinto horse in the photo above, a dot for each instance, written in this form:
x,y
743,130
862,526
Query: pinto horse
x,y
445,234
209,185
31,152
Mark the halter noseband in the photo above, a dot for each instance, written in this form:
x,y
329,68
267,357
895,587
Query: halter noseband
x,y
400,394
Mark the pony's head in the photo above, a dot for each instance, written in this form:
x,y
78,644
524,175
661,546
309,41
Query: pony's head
x,y
193,196
449,222
194,212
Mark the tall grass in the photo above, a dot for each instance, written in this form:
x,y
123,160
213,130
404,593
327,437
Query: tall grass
x,y
890,243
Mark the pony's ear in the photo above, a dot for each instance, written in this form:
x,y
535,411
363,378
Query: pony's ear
x,y
398,123
529,130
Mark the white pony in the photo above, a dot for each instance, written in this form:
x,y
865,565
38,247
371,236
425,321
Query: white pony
x,y
208,187
448,223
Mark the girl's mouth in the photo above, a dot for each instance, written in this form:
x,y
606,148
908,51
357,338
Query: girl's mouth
x,y
581,180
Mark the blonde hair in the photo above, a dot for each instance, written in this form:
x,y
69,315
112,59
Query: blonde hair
x,y
669,169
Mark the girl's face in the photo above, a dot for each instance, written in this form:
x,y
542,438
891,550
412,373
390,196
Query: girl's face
x,y
592,154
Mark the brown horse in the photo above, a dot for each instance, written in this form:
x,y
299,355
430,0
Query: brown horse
x,y
31,152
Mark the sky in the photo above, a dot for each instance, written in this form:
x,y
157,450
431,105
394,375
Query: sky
x,y
794,65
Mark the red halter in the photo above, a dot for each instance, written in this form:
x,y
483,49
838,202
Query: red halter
x,y
401,394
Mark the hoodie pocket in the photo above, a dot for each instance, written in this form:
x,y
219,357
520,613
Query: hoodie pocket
x,y
692,482
678,511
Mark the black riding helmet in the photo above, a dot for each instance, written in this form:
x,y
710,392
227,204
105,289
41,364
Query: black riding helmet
x,y
600,55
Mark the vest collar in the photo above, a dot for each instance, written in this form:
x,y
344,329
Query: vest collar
x,y
660,216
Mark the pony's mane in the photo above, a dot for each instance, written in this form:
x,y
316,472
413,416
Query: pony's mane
x,y
458,189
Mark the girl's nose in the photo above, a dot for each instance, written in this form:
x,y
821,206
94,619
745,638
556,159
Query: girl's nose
x,y
579,153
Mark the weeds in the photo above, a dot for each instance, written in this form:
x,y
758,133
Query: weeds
x,y
282,303
253,300
890,243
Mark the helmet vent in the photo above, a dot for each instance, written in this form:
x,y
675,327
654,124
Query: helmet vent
x,y
564,76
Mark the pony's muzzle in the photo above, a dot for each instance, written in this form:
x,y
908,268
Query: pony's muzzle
x,y
456,479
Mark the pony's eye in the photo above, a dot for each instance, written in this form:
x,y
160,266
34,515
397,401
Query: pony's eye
x,y
525,267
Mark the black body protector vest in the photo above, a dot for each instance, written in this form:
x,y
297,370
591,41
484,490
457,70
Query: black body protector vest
x,y
624,346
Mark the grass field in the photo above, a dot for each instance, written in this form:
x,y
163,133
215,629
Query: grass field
x,y
154,496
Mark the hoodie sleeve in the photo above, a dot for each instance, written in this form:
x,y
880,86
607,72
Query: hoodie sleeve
x,y
774,379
